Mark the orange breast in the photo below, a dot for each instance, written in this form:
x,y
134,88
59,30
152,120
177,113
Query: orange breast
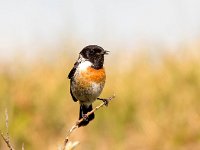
x,y
94,75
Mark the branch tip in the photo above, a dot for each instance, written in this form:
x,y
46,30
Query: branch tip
x,y
105,102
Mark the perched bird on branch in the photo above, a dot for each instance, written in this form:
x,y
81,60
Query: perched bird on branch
x,y
87,79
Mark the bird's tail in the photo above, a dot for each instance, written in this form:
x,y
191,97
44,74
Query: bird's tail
x,y
84,109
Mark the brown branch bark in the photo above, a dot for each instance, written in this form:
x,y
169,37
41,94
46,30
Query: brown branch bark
x,y
74,127
7,138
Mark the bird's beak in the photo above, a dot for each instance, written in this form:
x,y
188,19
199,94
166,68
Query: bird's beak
x,y
106,52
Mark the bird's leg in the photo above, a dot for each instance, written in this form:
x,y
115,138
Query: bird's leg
x,y
105,100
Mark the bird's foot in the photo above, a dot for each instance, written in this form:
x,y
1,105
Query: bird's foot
x,y
105,100
85,117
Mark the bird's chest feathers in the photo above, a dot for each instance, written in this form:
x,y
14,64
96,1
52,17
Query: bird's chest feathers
x,y
86,73
88,82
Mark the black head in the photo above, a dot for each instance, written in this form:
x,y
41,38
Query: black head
x,y
94,54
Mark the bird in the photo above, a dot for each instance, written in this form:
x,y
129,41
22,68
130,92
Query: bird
x,y
87,80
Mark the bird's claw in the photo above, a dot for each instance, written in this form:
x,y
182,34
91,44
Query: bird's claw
x,y
85,117
106,101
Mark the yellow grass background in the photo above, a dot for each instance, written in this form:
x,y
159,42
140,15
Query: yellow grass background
x,y
157,104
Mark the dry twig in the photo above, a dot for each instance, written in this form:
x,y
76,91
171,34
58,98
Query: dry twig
x,y
7,138
74,127
23,146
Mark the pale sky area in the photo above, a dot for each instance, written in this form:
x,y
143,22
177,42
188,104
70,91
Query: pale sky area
x,y
31,25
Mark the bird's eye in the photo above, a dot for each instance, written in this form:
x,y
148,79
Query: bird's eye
x,y
92,52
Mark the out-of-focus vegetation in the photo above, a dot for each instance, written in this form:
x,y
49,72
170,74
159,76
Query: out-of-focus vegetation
x,y
157,104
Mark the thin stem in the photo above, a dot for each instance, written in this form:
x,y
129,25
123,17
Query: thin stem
x,y
74,127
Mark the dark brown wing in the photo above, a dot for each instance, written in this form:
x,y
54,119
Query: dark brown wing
x,y
73,70
75,100
70,76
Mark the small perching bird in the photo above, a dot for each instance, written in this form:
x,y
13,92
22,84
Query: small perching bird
x,y
87,79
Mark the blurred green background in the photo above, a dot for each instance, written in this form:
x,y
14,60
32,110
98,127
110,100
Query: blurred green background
x,y
156,104
153,69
